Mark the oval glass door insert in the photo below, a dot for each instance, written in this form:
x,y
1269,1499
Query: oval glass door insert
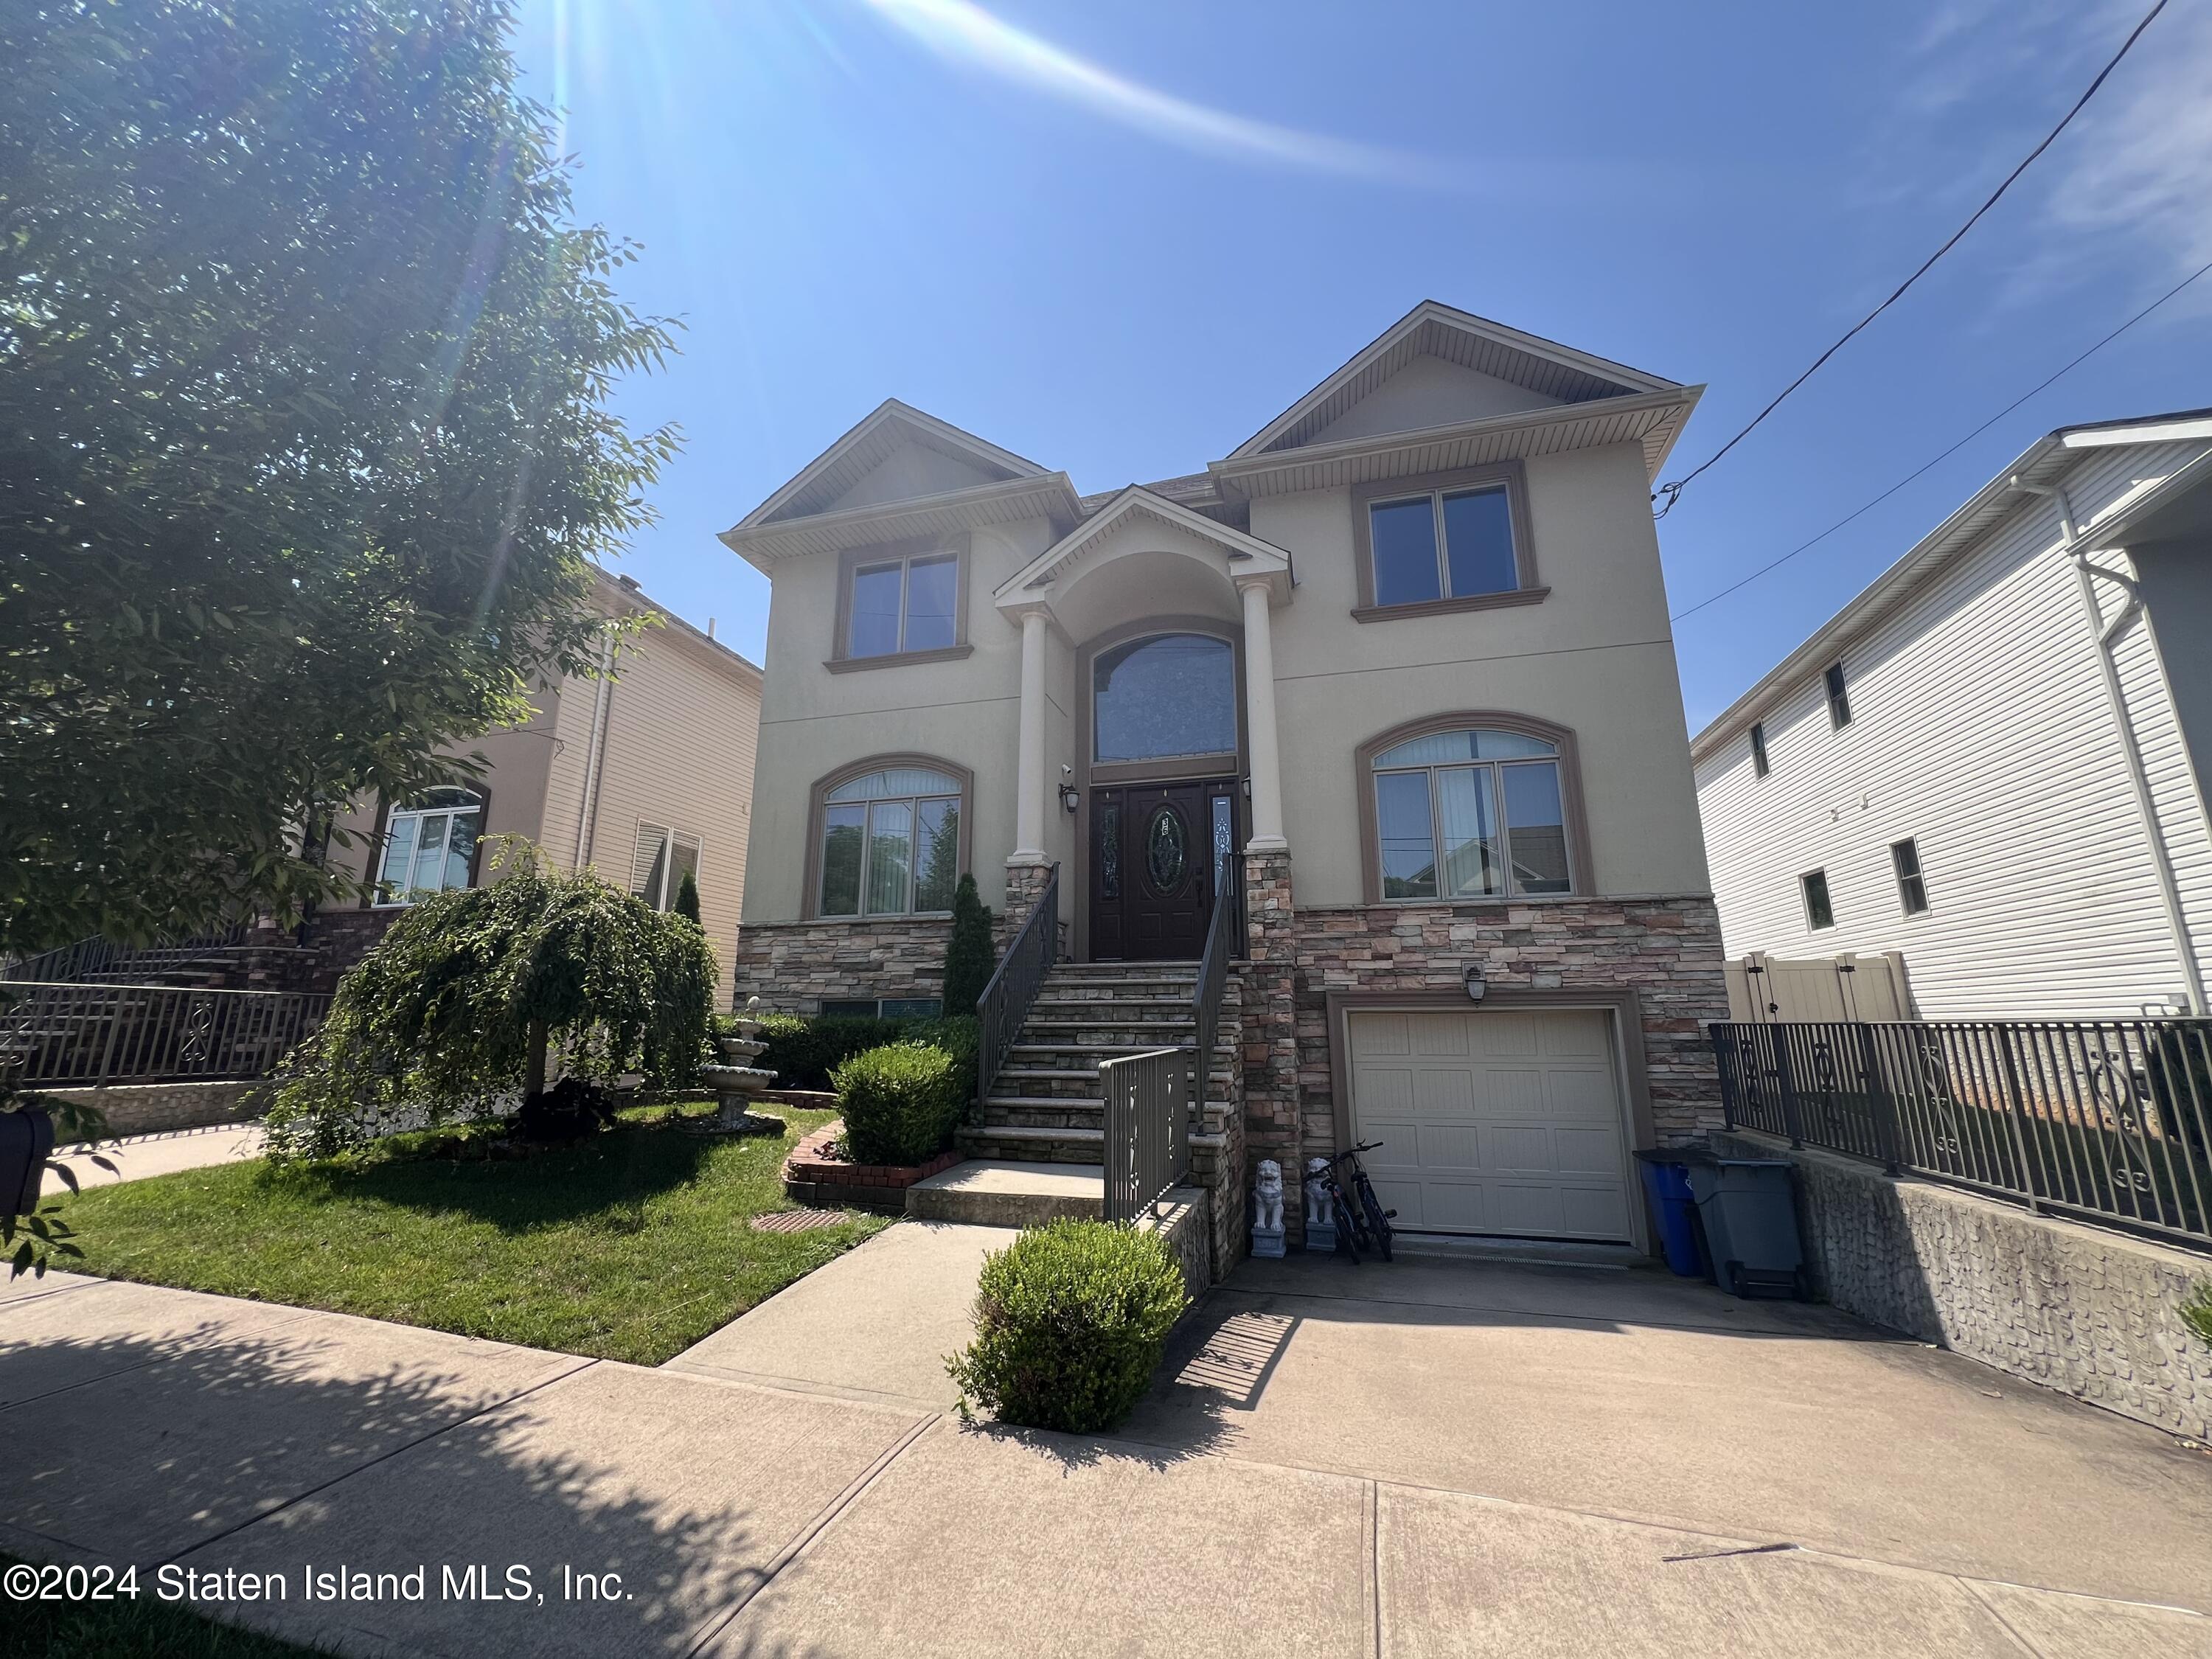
x,y
1167,853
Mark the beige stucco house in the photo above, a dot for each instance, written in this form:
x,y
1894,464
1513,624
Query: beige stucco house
x,y
1405,649
645,776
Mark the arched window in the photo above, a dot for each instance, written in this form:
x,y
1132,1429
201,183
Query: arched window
x,y
429,845
1163,697
890,840
1458,812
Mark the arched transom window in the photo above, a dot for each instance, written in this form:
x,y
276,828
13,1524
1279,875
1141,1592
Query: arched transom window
x,y
1470,814
1163,697
891,843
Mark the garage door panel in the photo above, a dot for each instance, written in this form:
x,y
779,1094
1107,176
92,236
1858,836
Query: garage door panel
x,y
1494,1121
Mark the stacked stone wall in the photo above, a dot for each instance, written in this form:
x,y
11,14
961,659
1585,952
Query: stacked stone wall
x,y
794,967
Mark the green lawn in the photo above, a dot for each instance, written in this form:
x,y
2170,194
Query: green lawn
x,y
631,1245
142,1628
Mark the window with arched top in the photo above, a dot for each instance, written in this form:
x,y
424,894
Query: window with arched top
x,y
429,845
1166,697
888,838
1455,809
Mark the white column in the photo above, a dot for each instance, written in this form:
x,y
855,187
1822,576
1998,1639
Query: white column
x,y
1028,779
1260,722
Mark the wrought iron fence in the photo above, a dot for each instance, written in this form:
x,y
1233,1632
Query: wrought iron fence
x,y
1005,1000
101,1033
1148,1128
2108,1121
1223,935
100,958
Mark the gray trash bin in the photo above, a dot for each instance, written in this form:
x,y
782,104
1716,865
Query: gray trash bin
x,y
1750,1218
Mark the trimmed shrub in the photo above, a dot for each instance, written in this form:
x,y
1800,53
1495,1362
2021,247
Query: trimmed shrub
x,y
802,1052
970,961
899,1103
1070,1320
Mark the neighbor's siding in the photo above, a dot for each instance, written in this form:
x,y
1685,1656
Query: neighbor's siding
x,y
1981,730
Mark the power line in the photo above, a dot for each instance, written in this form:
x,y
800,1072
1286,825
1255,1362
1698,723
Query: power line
x,y
1673,491
1953,450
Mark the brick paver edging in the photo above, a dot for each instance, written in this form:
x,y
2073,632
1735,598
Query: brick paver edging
x,y
812,1161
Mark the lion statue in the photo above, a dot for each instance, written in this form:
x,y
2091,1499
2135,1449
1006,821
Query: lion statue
x,y
1268,1196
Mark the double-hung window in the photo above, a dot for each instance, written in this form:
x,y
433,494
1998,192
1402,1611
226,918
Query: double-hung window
x,y
1819,912
1911,884
429,847
662,858
1442,545
907,604
1470,814
891,844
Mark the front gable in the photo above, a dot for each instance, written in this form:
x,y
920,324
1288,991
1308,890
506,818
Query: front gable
x,y
899,453
911,472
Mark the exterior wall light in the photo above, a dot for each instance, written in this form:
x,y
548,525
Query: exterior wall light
x,y
1068,798
1476,986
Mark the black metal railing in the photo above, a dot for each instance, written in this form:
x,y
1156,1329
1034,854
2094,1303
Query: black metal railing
x,y
101,1034
100,958
2107,1120
1224,935
1005,1004
1147,1120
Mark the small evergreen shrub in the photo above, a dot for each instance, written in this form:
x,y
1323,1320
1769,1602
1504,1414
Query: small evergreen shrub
x,y
804,1051
969,959
900,1102
1070,1321
687,900
2197,1312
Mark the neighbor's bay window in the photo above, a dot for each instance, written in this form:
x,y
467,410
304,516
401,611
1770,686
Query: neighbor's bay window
x,y
891,843
1470,814
429,847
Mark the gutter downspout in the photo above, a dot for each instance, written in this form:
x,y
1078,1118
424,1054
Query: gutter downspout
x,y
2106,635
588,809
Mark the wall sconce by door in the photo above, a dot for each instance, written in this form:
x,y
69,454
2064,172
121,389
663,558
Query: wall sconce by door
x,y
1068,798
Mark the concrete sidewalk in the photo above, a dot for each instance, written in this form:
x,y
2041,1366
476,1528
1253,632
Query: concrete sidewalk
x,y
138,1156
1431,1458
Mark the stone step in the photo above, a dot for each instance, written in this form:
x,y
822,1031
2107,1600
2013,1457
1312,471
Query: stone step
x,y
1107,1025
1037,1145
1015,1113
1140,1014
1182,970
1069,1079
995,1192
1058,1055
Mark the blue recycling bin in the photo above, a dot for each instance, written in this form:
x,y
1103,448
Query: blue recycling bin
x,y
1666,1181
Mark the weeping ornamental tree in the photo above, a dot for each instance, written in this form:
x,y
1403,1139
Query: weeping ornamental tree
x,y
305,449
459,1008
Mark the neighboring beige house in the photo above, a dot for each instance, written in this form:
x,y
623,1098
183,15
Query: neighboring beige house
x,y
644,776
1405,649
1991,764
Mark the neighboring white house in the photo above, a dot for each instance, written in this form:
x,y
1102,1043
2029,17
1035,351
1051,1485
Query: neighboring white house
x,y
1406,647
1993,760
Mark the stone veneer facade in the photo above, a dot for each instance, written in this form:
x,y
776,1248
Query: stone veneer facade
x,y
794,967
1666,950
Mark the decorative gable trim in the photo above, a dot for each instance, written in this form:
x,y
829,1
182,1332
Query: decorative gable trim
x,y
1544,367
827,478
1136,501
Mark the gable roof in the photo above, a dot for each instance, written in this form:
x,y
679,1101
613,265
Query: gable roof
x,y
1431,329
2042,465
1138,501
826,478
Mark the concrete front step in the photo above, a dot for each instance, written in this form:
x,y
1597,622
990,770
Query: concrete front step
x,y
1006,1193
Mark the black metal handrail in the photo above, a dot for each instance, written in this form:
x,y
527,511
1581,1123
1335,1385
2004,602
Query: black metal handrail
x,y
1005,1004
1223,936
1147,1121
102,1033
97,958
2106,1120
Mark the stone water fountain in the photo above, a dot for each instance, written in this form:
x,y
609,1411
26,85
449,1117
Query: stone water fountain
x,y
737,1080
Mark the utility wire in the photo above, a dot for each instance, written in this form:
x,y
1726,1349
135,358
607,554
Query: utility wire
x,y
1946,454
1673,492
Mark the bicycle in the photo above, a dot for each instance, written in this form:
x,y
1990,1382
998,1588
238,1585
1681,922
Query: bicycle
x,y
1363,1225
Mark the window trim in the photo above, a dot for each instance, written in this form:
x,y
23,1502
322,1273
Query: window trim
x,y
1837,688
1907,882
817,813
1582,882
854,560
1805,899
1513,475
386,809
1761,765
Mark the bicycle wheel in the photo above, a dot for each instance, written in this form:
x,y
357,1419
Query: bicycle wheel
x,y
1351,1224
1378,1218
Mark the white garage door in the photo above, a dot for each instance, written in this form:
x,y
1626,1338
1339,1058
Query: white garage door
x,y
1497,1122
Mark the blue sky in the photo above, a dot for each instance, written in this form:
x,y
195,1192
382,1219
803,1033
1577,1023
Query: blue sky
x,y
1119,240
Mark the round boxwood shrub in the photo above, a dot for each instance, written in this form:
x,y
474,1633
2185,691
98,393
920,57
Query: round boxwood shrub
x,y
899,1103
1070,1322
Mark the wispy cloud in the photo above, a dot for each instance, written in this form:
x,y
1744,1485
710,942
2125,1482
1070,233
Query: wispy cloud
x,y
965,33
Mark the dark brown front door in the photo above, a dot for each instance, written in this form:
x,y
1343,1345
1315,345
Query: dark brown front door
x,y
1156,854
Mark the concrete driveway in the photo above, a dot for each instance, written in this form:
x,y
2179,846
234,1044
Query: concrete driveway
x,y
1431,1457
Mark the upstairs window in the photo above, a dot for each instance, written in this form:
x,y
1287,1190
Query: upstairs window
x,y
909,603
660,861
1911,885
1759,764
1818,913
1469,814
429,847
1449,541
891,843
1839,701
